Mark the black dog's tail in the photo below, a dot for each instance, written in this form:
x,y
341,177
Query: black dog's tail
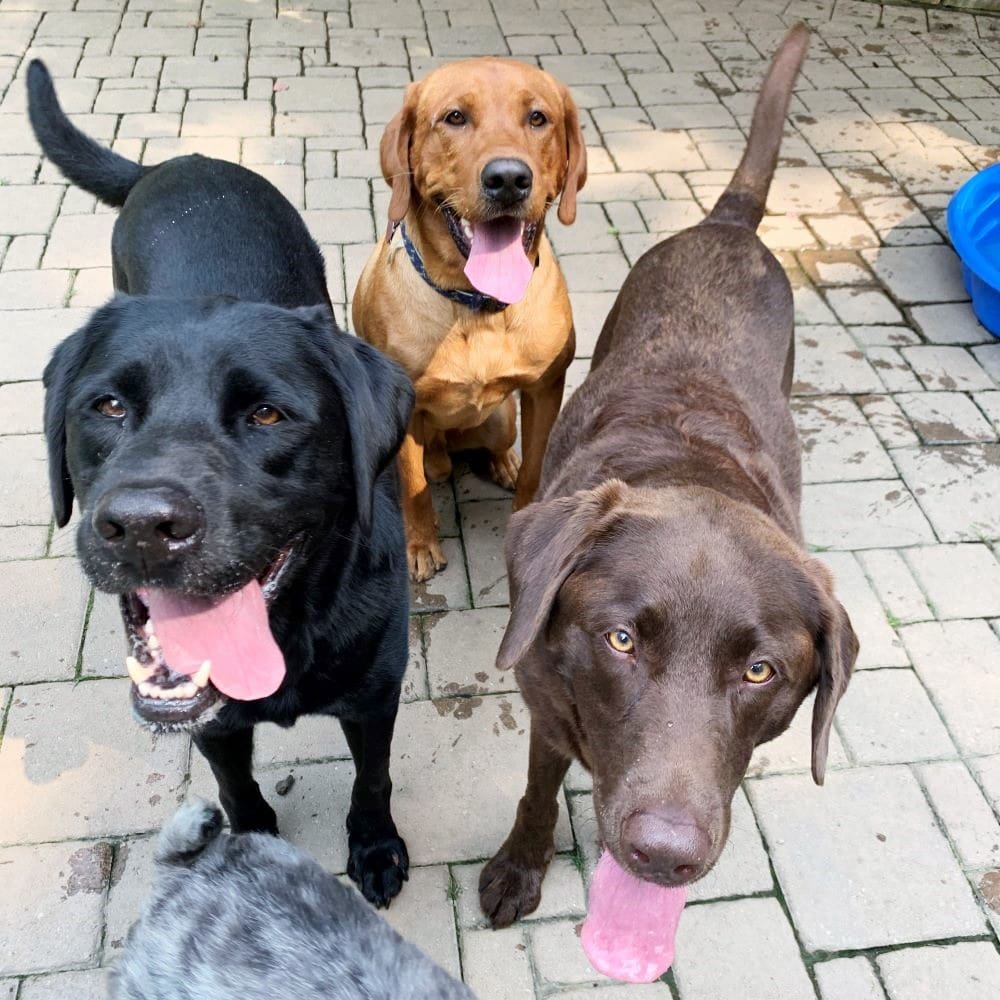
x,y
742,203
81,160
188,832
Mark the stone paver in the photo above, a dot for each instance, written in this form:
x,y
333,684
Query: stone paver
x,y
959,664
73,763
848,979
888,873
714,962
968,970
897,400
960,581
887,718
90,985
50,909
967,818
46,601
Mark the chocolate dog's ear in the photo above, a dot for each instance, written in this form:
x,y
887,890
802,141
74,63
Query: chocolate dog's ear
x,y
576,160
836,650
60,374
394,153
545,542
378,400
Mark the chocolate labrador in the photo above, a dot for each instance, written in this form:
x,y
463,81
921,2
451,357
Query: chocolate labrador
x,y
665,617
232,454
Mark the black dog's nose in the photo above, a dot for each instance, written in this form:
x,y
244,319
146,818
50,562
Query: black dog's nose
x,y
154,521
665,844
506,181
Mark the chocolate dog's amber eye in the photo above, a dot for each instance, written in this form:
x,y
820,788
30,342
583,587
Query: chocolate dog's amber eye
x,y
111,407
265,416
620,641
455,117
759,672
537,119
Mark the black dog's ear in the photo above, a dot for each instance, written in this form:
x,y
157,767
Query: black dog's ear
x,y
545,542
836,650
378,401
60,373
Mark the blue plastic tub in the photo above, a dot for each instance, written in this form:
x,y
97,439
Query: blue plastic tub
x,y
974,227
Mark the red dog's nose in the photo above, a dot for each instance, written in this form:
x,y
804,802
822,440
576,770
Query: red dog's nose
x,y
665,845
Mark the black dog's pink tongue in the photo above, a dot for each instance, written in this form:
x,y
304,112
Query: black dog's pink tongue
x,y
231,631
497,263
631,925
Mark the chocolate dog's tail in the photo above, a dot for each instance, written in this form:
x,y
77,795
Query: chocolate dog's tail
x,y
93,167
742,203
188,832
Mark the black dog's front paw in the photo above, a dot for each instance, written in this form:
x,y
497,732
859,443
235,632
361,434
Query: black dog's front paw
x,y
508,889
379,867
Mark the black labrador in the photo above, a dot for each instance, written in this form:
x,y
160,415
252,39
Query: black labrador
x,y
231,451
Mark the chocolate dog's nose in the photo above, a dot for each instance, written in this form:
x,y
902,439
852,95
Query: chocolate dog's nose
x,y
665,844
155,521
506,181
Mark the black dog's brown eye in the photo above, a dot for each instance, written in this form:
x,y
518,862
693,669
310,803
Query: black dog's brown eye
x,y
537,119
759,672
266,416
455,117
620,641
111,407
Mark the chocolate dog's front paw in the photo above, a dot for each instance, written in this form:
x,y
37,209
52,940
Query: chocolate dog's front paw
x,y
379,868
509,890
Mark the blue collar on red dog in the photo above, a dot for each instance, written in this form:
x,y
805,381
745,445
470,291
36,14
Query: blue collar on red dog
x,y
475,301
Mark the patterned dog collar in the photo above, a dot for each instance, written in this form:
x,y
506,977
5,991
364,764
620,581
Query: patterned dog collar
x,y
475,301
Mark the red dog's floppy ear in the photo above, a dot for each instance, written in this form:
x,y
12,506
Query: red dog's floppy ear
x,y
576,160
394,152
836,650
544,544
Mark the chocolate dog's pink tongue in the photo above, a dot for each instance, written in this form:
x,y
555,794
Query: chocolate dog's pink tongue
x,y
231,631
630,927
497,263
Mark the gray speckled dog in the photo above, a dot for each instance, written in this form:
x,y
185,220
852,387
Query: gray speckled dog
x,y
249,917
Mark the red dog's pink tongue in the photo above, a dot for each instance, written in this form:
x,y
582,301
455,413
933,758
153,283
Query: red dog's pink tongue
x,y
231,631
497,263
630,927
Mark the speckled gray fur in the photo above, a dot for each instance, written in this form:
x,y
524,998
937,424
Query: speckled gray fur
x,y
249,917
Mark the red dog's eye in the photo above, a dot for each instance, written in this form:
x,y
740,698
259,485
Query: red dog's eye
x,y
455,118
537,119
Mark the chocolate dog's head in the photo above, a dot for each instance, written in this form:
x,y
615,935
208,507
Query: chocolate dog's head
x,y
211,445
661,635
484,145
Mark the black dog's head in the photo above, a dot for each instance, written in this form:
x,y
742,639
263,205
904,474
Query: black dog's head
x,y
210,445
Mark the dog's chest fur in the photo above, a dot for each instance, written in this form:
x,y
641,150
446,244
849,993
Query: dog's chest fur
x,y
474,367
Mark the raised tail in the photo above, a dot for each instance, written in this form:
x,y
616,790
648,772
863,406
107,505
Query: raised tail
x,y
188,832
81,160
742,203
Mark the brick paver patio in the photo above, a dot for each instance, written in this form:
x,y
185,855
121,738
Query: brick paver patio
x,y
884,885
